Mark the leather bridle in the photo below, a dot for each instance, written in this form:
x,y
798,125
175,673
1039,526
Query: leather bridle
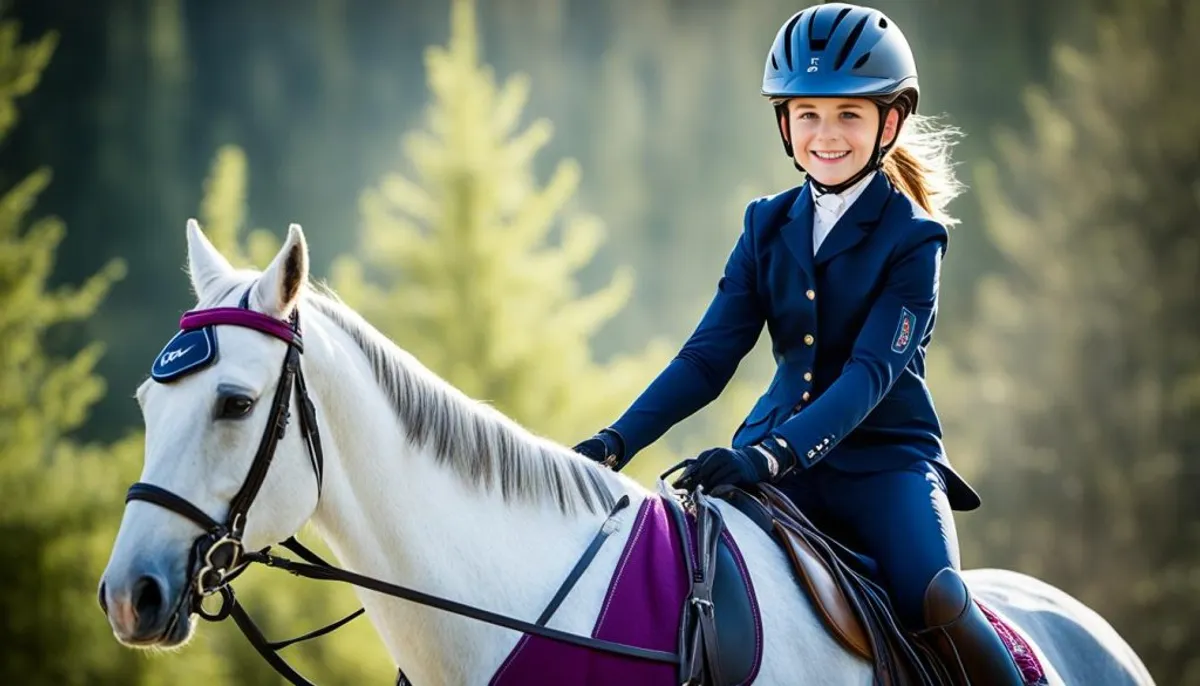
x,y
218,556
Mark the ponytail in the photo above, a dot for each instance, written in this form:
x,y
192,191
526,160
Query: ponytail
x,y
919,166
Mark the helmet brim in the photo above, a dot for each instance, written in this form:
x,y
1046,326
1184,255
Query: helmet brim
x,y
842,86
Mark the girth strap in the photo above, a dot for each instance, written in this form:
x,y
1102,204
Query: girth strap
x,y
709,524
699,656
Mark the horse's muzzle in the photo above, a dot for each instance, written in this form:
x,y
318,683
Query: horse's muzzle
x,y
145,611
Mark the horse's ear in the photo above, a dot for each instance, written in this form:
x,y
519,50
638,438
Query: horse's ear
x,y
277,291
205,263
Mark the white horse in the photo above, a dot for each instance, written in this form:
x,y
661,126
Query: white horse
x,y
427,488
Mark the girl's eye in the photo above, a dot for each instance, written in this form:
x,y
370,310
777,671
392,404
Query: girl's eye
x,y
850,115
234,406
807,115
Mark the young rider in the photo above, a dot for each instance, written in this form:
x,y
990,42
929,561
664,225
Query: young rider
x,y
843,270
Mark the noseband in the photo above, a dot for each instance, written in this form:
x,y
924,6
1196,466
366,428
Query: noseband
x,y
218,555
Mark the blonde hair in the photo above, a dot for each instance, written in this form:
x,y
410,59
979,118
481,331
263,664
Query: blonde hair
x,y
919,164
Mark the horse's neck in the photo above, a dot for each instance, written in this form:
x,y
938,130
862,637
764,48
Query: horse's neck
x,y
391,512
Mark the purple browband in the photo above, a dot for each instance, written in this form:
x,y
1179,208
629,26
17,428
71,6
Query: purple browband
x,y
237,316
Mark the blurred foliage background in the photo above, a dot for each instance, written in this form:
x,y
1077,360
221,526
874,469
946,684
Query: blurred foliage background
x,y
536,198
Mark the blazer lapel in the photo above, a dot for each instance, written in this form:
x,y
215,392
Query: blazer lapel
x,y
798,232
858,220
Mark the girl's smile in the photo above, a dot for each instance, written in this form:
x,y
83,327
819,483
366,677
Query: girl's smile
x,y
834,138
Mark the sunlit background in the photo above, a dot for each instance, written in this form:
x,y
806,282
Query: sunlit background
x,y
418,152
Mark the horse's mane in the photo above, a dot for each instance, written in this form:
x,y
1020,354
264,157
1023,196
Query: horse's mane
x,y
478,443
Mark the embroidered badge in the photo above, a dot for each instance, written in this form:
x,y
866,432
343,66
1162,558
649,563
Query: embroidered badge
x,y
185,353
904,330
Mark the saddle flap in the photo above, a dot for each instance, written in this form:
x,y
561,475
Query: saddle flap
x,y
738,632
855,609
827,596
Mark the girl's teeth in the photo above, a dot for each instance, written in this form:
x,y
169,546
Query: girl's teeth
x,y
830,156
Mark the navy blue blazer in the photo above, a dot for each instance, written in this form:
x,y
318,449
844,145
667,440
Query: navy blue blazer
x,y
849,330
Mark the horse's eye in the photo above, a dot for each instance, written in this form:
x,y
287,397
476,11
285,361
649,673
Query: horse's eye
x,y
234,406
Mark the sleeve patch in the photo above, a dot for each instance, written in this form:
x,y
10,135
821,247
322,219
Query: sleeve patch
x,y
904,331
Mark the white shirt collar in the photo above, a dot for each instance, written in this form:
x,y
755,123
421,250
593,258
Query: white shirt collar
x,y
828,208
837,203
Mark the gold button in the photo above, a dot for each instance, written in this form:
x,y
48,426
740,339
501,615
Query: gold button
x,y
808,339
808,376
805,397
811,294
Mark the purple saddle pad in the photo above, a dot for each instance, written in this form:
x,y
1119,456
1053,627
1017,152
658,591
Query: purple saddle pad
x,y
643,607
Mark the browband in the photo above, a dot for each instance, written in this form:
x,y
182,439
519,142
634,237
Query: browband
x,y
236,316
194,346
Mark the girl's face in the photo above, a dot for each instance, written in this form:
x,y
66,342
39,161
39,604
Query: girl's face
x,y
832,138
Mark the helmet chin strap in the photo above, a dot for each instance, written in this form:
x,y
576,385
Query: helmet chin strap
x,y
873,164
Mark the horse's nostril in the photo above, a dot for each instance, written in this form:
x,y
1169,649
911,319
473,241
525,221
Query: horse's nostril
x,y
147,597
102,599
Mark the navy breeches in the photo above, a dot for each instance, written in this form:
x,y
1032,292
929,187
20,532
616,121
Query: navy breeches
x,y
900,518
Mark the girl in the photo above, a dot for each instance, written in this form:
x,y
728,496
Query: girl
x,y
843,270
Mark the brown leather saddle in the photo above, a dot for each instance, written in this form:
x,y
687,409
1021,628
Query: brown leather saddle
x,y
842,589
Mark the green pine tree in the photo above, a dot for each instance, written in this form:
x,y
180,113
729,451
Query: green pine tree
x,y
41,401
471,264
223,212
1084,358
62,499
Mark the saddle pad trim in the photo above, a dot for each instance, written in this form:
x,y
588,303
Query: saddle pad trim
x,y
615,582
1027,660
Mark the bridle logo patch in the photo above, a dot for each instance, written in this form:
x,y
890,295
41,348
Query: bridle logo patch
x,y
186,353
173,355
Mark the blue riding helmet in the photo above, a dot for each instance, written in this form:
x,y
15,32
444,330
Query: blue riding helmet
x,y
846,51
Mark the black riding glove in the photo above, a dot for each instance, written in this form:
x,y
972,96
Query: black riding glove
x,y
714,467
606,447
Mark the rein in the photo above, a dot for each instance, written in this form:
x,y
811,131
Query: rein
x,y
218,556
